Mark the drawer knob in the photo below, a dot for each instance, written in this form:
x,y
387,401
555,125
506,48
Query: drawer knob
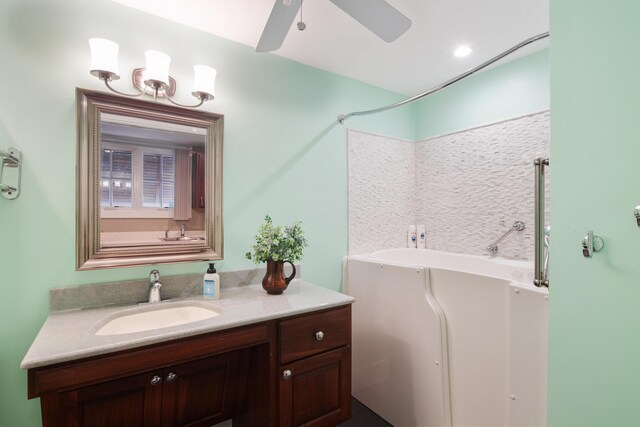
x,y
156,380
286,374
319,335
171,377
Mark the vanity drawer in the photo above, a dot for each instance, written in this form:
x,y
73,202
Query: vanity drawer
x,y
314,333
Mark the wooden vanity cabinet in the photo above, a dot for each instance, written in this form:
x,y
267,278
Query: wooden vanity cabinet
x,y
199,393
275,373
314,386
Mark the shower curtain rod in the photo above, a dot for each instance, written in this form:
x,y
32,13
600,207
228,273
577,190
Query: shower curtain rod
x,y
343,117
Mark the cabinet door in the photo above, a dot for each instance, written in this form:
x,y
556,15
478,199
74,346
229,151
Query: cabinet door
x,y
316,391
203,392
133,401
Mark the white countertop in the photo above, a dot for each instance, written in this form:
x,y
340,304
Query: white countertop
x,y
70,335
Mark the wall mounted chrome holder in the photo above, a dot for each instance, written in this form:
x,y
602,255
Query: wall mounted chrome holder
x,y
590,244
636,213
10,171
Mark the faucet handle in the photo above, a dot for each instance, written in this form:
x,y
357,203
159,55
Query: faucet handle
x,y
154,277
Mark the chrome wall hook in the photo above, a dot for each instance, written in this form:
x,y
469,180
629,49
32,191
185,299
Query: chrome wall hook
x,y
590,244
10,171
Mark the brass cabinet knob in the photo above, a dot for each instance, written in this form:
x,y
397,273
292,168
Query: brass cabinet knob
x,y
319,335
286,374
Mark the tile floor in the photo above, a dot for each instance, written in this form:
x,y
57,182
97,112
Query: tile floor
x,y
361,416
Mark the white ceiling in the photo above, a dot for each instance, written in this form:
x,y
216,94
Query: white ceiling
x,y
333,41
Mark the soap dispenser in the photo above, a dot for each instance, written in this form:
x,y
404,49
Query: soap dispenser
x,y
211,288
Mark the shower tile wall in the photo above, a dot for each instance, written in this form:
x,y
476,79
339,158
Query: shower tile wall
x,y
381,191
470,187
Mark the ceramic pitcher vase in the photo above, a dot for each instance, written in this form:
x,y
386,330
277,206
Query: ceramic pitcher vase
x,y
274,281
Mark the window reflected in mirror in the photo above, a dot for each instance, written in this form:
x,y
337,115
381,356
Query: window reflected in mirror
x,y
157,182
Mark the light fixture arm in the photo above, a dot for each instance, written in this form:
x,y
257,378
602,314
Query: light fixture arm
x,y
106,82
202,99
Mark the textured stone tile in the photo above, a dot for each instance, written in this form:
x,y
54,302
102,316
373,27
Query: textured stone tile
x,y
381,191
468,188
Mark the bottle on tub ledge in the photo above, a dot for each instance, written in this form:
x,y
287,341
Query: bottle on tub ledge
x,y
411,237
211,285
422,237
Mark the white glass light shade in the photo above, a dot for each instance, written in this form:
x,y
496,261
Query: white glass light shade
x,y
104,57
204,79
157,67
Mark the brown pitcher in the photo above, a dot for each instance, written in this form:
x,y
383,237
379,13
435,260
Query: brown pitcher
x,y
274,281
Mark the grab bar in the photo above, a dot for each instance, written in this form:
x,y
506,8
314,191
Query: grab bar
x,y
540,278
517,226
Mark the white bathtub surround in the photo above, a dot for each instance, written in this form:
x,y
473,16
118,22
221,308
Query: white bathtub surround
x,y
469,187
381,191
469,348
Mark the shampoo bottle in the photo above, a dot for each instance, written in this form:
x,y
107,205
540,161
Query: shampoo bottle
x,y
422,237
411,236
211,289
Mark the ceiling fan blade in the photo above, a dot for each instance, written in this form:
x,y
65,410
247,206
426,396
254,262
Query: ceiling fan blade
x,y
278,24
377,16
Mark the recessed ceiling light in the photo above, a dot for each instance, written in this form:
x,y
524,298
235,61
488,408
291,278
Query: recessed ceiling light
x,y
462,51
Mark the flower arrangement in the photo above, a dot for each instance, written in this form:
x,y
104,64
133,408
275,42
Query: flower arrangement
x,y
276,243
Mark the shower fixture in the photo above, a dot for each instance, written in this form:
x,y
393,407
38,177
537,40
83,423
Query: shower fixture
x,y
517,226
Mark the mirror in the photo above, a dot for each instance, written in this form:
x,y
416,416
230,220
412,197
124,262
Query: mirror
x,y
149,183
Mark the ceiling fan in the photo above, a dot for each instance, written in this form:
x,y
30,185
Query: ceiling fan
x,y
377,16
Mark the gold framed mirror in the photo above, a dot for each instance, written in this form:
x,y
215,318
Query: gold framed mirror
x,y
148,183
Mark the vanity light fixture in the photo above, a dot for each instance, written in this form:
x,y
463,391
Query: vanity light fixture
x,y
152,80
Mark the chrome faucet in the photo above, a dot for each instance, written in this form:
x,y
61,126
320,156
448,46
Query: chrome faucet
x,y
155,285
182,230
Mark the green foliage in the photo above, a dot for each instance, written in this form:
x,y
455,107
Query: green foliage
x,y
276,243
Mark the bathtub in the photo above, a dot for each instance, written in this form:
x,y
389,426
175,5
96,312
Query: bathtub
x,y
442,339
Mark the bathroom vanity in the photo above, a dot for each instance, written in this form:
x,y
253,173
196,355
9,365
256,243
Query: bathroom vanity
x,y
263,361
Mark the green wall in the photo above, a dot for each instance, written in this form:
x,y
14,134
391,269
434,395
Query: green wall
x,y
506,91
594,349
284,154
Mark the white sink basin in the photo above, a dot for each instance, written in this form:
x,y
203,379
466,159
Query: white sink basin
x,y
157,318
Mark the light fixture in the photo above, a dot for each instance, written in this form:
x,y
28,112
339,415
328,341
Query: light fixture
x,y
152,80
462,51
